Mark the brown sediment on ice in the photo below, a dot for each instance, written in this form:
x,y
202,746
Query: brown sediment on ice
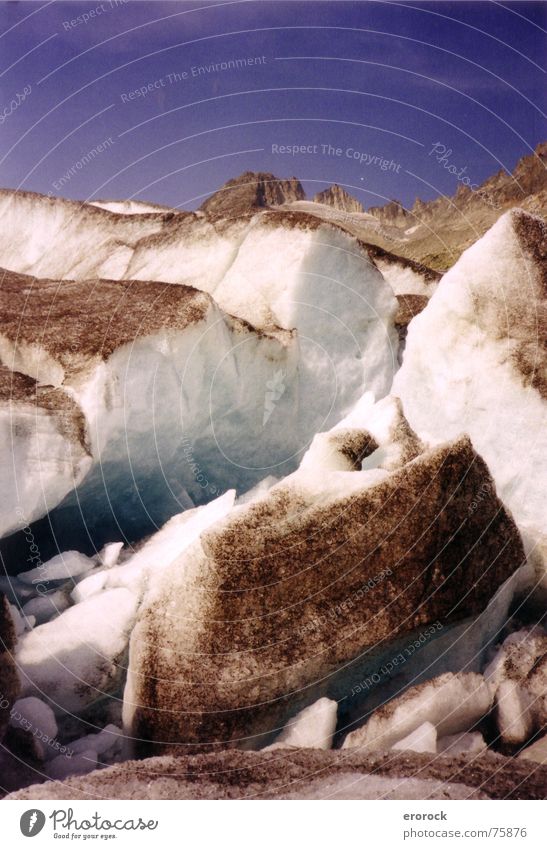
x,y
221,666
298,773
353,444
74,321
529,323
429,274
88,209
293,219
271,331
23,391
9,679
409,307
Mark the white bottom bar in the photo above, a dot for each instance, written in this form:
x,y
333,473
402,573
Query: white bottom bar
x,y
275,824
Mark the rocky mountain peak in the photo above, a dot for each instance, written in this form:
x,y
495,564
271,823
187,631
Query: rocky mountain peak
x,y
390,213
250,191
338,198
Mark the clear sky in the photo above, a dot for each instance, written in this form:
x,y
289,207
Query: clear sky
x,y
359,85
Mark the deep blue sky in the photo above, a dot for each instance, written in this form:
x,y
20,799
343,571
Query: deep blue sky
x,y
387,79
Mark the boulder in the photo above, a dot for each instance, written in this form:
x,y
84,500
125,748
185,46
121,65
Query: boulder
x,y
62,767
35,723
43,608
514,713
456,744
537,752
107,743
79,657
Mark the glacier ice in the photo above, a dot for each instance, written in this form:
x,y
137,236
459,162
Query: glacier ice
x,y
422,739
218,357
178,395
312,728
452,703
474,362
72,662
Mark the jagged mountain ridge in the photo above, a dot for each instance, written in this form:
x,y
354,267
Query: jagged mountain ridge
x,y
436,232
433,233
529,178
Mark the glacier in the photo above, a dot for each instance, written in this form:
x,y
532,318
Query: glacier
x,y
474,362
221,423
181,392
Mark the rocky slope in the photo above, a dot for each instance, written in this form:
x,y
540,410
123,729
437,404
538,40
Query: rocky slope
x,y
436,232
433,233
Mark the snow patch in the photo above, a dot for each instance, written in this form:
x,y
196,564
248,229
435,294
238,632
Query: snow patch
x,y
403,279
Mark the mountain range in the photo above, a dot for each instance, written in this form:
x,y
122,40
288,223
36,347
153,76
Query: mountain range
x,y
433,232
